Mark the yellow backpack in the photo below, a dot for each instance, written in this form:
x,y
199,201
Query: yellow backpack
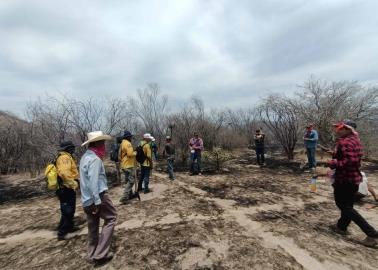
x,y
53,180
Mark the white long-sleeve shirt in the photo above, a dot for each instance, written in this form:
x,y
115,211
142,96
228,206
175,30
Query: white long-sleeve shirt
x,y
92,178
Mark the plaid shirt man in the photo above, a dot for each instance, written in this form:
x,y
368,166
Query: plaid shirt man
x,y
347,159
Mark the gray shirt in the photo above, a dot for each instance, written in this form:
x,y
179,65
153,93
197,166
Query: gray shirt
x,y
92,178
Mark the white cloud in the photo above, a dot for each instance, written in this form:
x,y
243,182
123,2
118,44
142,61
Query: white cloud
x,y
228,52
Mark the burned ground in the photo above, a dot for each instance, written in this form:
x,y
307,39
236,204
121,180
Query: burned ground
x,y
251,218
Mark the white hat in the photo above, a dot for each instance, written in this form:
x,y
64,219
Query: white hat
x,y
95,136
147,136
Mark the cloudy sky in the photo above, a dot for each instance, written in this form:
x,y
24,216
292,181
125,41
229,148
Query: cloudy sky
x,y
230,53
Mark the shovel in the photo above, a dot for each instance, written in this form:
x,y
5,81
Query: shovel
x,y
136,184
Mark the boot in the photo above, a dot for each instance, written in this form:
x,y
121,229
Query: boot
x,y
369,242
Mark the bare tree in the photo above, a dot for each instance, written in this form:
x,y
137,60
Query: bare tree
x,y
280,116
323,103
150,107
243,122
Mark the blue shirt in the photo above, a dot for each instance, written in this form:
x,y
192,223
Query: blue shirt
x,y
92,178
312,139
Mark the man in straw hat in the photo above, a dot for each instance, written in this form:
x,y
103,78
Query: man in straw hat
x,y
346,160
96,201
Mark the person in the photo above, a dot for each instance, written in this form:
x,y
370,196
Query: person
x,y
147,165
66,193
364,188
310,141
154,149
95,199
196,148
346,161
127,157
114,156
260,147
169,153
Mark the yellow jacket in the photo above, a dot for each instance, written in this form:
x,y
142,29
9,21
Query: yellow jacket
x,y
127,155
67,170
147,151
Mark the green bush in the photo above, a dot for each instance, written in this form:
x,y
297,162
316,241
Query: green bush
x,y
217,156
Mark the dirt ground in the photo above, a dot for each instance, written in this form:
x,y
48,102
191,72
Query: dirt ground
x,y
248,218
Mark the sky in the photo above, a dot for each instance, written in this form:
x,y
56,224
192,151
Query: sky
x,y
229,53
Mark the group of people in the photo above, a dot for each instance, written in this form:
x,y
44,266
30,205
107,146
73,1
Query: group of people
x,y
128,158
92,181
91,178
349,183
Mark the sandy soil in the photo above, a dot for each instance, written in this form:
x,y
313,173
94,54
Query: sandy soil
x,y
250,218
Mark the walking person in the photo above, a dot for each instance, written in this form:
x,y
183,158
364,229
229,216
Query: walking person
x,y
147,164
127,158
95,199
196,148
310,139
346,161
260,147
169,153
68,177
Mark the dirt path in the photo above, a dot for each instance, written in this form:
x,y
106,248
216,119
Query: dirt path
x,y
258,219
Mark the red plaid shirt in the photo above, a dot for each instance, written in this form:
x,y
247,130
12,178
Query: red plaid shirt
x,y
347,159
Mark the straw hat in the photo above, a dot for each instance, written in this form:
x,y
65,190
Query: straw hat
x,y
147,136
95,136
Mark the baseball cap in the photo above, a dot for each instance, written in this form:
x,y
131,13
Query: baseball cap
x,y
349,124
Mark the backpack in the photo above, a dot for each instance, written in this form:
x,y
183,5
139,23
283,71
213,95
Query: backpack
x,y
114,152
140,156
53,180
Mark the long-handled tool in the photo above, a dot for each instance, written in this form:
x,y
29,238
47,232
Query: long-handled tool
x,y
136,183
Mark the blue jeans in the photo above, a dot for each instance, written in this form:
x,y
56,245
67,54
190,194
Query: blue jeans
x,y
170,163
144,177
311,157
195,158
67,198
260,157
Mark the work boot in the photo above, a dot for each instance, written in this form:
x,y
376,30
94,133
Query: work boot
x,y
104,260
370,242
125,200
61,237
337,230
146,190
74,229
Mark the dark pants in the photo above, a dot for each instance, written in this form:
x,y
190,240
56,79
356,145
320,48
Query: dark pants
x,y
260,155
311,152
170,165
195,159
144,178
344,197
67,198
